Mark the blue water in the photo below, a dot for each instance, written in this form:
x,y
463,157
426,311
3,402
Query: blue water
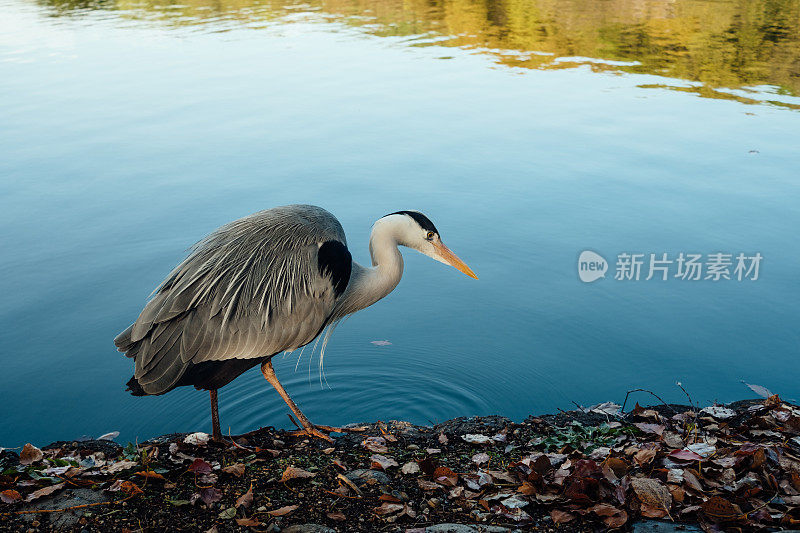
x,y
124,140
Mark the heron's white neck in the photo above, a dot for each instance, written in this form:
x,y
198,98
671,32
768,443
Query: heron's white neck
x,y
369,284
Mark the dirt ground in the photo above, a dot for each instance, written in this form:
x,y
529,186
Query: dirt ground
x,y
722,468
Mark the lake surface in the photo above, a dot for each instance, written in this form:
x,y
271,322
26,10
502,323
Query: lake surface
x,y
529,131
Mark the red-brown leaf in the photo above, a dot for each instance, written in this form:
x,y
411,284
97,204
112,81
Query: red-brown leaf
x,y
30,454
10,496
283,510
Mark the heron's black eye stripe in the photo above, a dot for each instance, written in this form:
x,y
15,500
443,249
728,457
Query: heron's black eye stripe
x,y
423,221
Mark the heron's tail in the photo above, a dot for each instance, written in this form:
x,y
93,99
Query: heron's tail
x,y
123,341
134,388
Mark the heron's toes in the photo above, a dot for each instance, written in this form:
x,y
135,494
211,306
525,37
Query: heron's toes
x,y
313,431
332,429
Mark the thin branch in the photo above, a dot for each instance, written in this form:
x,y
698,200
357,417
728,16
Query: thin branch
x,y
622,410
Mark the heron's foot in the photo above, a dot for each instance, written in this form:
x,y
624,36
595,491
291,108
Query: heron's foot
x,y
333,429
319,432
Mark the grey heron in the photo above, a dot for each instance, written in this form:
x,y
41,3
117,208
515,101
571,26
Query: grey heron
x,y
261,285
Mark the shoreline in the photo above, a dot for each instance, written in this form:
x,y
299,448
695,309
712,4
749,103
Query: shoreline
x,y
714,468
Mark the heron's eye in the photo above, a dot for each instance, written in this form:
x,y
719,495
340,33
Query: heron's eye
x,y
430,235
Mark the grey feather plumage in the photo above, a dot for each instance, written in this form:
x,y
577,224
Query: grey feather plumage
x,y
247,291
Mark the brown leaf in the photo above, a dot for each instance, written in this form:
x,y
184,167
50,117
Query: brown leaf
x,y
248,522
502,476
652,493
283,511
210,495
128,487
30,454
150,474
292,472
527,489
237,469
718,508
445,476
619,466
644,456
199,466
375,444
10,496
382,462
684,456
656,429
690,477
337,517
772,401
44,491
561,517
612,517
246,499
426,485
652,512
387,508
759,457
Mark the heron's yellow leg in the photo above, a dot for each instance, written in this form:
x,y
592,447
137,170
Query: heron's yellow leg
x,y
308,427
216,433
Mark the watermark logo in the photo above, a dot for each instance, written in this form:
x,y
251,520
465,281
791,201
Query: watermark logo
x,y
685,266
591,266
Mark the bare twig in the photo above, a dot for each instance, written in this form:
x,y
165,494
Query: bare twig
x,y
622,410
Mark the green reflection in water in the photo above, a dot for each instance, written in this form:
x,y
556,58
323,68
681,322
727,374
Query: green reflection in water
x,y
719,43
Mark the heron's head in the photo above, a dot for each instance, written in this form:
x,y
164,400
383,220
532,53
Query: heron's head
x,y
415,230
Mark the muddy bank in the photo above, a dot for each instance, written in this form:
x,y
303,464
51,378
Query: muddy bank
x,y
734,467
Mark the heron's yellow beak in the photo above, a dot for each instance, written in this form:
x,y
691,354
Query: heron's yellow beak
x,y
447,256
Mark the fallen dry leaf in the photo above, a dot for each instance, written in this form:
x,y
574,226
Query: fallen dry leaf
x,y
236,469
292,472
561,517
684,456
30,454
210,495
199,466
150,474
119,466
248,522
382,462
375,444
411,467
612,517
246,499
44,491
10,496
644,456
481,458
445,476
387,508
718,508
283,511
197,439
652,493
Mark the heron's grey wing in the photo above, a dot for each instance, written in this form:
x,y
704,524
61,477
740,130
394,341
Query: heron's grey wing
x,y
252,288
